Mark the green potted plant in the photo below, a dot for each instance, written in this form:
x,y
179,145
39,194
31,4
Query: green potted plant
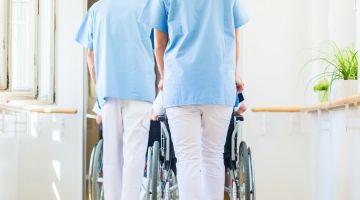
x,y
341,68
322,88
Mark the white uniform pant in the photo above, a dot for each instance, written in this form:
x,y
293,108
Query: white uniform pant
x,y
125,131
199,135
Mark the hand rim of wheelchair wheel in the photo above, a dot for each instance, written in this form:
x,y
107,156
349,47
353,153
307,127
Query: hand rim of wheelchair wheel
x,y
170,182
154,171
89,178
252,173
96,173
243,172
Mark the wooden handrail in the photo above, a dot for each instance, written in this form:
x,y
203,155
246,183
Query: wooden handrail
x,y
90,116
53,110
32,109
351,101
276,109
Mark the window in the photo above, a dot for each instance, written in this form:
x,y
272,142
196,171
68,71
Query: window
x,y
3,64
46,73
27,62
22,46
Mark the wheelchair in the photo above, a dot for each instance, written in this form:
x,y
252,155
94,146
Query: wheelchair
x,y
161,164
95,178
239,164
160,170
238,161
160,167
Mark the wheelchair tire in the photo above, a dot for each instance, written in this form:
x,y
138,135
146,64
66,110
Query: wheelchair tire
x,y
89,178
244,172
154,171
147,173
252,174
171,187
96,174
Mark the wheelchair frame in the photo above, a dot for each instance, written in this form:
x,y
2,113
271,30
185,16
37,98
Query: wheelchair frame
x,y
241,173
95,179
162,182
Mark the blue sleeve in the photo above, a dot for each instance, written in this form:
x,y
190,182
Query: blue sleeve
x,y
236,102
241,16
85,33
97,107
239,98
154,15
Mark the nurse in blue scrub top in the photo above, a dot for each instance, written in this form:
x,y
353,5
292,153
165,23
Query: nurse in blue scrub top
x,y
120,58
196,51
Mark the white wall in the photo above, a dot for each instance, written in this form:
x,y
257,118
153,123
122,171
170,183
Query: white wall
x,y
274,51
282,36
44,159
306,156
9,154
52,160
342,22
281,156
334,155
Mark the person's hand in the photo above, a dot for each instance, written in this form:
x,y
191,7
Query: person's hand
x,y
239,85
240,110
161,85
98,119
154,116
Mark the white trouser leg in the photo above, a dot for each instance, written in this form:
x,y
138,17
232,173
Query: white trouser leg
x,y
136,121
199,135
185,127
125,130
112,149
215,123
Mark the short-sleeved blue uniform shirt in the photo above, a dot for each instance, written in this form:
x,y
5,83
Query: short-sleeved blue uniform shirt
x,y
124,59
200,58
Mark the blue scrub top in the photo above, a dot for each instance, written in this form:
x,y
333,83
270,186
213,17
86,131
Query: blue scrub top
x,y
124,58
200,58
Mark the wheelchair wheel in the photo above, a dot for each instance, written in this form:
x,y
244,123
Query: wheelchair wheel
x,y
244,172
89,178
96,182
252,174
171,188
146,186
154,171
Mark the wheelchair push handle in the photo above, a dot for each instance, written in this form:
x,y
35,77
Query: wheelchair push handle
x,y
162,118
240,118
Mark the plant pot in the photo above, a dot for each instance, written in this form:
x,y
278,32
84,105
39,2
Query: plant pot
x,y
323,95
343,88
